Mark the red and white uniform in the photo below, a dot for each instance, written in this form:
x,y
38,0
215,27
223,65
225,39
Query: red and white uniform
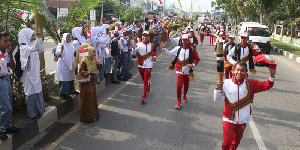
x,y
182,68
145,52
238,107
192,41
202,31
213,31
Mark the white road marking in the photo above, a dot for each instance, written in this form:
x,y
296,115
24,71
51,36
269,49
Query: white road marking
x,y
256,135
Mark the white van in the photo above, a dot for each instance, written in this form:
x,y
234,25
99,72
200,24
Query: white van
x,y
258,34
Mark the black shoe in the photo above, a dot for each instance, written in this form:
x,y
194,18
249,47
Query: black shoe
x,y
13,130
76,93
3,136
123,79
66,97
115,82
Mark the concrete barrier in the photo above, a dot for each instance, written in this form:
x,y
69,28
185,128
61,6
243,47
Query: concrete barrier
x,y
48,118
7,144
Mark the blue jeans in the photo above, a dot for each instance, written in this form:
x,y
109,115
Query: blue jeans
x,y
5,103
107,65
124,56
129,60
114,71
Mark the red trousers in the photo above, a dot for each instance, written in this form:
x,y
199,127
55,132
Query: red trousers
x,y
146,76
232,135
211,40
182,80
201,37
228,73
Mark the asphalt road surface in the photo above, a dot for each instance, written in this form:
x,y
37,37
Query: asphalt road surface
x,y
126,124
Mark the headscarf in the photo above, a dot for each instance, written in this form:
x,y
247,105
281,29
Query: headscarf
x,y
89,62
25,36
68,51
95,31
25,45
103,28
76,32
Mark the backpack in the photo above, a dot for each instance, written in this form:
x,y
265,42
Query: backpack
x,y
18,71
115,48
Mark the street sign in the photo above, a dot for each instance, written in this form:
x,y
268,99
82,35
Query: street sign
x,y
125,2
62,12
92,14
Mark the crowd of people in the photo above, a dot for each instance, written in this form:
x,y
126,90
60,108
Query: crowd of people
x,y
88,60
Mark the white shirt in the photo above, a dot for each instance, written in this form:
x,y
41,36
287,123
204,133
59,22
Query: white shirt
x,y
30,63
4,61
125,48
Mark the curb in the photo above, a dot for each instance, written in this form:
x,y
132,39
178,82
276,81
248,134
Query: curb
x,y
31,128
286,53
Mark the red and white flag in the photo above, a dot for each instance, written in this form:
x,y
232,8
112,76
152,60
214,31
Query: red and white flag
x,y
84,52
160,1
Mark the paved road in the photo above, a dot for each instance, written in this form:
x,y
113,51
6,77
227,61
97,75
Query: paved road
x,y
50,65
127,124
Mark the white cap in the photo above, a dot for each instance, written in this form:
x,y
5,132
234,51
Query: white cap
x,y
183,32
245,34
231,36
192,30
146,32
185,36
221,33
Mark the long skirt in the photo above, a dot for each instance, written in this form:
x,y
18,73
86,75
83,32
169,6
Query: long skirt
x,y
88,101
35,104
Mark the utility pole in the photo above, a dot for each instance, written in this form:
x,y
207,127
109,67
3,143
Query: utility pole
x,y
164,8
102,11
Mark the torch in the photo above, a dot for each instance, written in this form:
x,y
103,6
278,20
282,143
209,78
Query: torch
x,y
220,62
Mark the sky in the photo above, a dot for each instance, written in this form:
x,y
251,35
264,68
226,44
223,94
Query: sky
x,y
202,5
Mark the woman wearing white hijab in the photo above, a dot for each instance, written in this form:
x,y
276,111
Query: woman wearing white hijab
x,y
78,37
30,47
64,71
105,41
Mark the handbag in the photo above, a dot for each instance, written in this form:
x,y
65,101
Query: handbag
x,y
82,79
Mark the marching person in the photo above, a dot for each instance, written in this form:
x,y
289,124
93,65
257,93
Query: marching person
x,y
31,45
212,34
227,65
64,71
186,58
193,39
242,52
239,93
6,99
146,53
202,31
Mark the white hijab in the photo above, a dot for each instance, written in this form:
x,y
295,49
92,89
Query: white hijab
x,y
25,44
25,36
95,31
68,51
76,32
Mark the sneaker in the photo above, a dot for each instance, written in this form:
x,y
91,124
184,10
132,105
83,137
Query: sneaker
x,y
13,130
115,82
185,99
3,136
143,100
178,105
